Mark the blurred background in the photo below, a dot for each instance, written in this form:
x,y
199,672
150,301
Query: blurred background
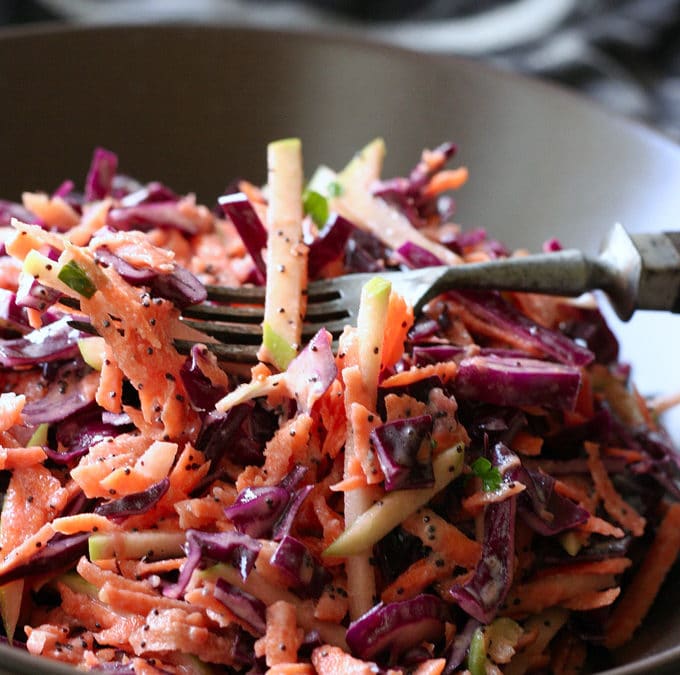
x,y
625,54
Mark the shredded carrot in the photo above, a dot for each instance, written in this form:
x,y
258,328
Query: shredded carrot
x,y
353,482
537,595
577,490
476,501
89,611
362,422
332,605
664,402
431,667
332,412
330,660
33,497
443,537
53,211
291,669
21,458
417,577
606,566
109,392
449,548
11,406
527,444
83,522
585,401
331,523
289,440
140,569
34,317
94,219
153,465
400,320
625,453
199,513
614,504
449,179
446,370
28,546
251,191
600,526
644,409
638,596
592,600
283,637
49,641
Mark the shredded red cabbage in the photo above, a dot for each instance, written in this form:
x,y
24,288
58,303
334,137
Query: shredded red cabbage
x,y
233,548
100,176
65,396
268,511
61,551
312,371
54,342
180,286
203,394
9,210
398,445
134,504
146,216
491,308
244,605
391,629
31,293
329,245
250,228
518,382
297,565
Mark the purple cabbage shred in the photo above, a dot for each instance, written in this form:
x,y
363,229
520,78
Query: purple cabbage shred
x,y
304,574
245,606
202,393
134,504
398,445
389,630
99,181
250,228
312,371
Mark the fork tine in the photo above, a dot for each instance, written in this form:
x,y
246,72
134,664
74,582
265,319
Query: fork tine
x,y
228,353
245,333
327,309
242,294
334,327
229,313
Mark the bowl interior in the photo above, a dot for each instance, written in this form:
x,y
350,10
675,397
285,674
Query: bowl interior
x,y
194,106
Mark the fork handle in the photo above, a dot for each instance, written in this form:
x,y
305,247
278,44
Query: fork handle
x,y
568,273
641,271
659,284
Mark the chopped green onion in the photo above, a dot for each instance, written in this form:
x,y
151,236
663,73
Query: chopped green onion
x,y
75,277
489,474
39,436
335,189
316,206
476,660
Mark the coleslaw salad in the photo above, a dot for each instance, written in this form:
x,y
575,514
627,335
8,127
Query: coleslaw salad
x,y
478,488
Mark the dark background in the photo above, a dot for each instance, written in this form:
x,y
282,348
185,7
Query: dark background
x,y
625,54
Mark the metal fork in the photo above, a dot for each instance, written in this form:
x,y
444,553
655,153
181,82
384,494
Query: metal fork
x,y
639,271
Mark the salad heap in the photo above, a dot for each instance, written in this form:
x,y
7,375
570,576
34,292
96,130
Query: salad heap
x,y
478,488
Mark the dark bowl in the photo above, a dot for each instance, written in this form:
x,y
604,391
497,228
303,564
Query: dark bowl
x,y
195,105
